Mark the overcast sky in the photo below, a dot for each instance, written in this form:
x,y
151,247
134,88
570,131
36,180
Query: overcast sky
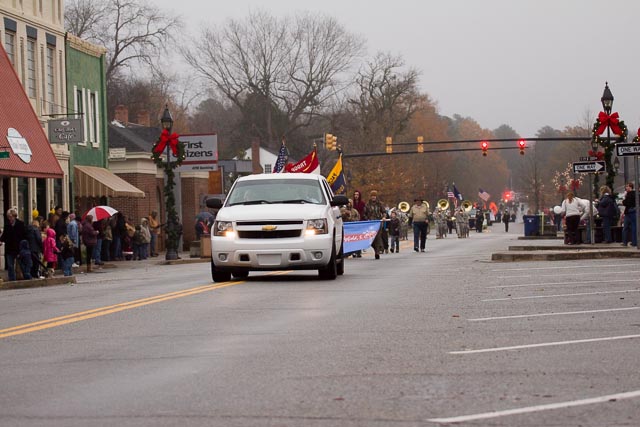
x,y
524,63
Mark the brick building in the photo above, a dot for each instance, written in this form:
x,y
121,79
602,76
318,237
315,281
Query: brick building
x,y
130,146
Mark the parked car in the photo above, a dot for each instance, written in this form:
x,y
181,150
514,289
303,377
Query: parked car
x,y
277,222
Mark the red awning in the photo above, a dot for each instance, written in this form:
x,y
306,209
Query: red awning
x,y
21,134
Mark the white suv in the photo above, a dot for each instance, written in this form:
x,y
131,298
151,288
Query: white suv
x,y
280,221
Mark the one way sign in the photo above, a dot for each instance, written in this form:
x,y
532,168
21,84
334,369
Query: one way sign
x,y
589,167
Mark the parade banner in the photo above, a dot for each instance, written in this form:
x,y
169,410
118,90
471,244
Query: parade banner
x,y
359,235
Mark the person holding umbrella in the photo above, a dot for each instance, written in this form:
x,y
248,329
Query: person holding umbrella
x,y
89,238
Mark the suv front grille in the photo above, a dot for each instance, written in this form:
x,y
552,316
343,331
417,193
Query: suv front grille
x,y
260,234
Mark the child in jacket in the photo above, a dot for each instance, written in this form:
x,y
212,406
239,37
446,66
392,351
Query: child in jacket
x,y
50,251
24,258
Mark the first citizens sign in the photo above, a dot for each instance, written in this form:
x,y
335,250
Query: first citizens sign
x,y
66,131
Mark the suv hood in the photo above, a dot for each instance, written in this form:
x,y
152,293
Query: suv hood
x,y
271,212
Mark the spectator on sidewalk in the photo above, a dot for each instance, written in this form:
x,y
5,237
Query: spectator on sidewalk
x,y
629,222
50,251
13,233
154,228
66,253
24,259
89,239
34,237
73,233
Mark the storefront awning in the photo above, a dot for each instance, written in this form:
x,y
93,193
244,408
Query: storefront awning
x,y
24,148
92,181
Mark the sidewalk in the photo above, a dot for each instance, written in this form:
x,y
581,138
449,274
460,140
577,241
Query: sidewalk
x,y
97,271
556,251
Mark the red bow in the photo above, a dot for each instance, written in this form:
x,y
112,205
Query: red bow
x,y
166,138
610,121
597,154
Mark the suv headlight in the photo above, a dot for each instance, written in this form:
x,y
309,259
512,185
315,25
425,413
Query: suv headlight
x,y
223,228
316,226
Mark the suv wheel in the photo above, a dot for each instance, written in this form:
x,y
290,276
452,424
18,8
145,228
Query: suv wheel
x,y
340,260
330,272
219,276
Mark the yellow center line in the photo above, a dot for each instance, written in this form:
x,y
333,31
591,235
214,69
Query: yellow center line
x,y
103,311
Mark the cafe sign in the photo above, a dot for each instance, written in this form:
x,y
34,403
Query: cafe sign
x,y
65,131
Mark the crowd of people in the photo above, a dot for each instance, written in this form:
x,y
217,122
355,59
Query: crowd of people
x,y
43,245
576,212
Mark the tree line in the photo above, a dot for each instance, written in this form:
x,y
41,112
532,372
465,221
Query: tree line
x,y
294,78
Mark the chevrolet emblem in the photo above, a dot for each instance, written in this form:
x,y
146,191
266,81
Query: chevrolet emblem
x,y
269,227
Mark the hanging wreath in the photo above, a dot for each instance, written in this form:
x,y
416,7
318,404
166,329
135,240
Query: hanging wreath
x,y
612,121
637,137
160,148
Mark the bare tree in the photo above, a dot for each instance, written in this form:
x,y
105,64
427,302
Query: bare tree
x,y
278,71
131,30
82,17
386,97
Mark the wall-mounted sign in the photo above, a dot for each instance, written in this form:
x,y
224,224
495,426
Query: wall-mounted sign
x,y
19,145
201,152
68,131
117,153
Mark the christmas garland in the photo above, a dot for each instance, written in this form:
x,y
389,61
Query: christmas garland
x,y
637,137
159,148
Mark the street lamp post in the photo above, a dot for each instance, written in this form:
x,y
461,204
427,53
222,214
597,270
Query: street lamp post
x,y
172,226
607,105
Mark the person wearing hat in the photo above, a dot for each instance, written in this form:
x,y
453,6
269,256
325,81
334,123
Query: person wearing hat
x,y
374,211
419,217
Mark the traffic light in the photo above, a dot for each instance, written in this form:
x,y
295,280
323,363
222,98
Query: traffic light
x,y
330,142
420,145
485,146
388,142
522,145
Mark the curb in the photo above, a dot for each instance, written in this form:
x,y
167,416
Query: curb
x,y
38,283
555,255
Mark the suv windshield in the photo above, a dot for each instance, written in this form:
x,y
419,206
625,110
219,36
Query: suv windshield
x,y
276,191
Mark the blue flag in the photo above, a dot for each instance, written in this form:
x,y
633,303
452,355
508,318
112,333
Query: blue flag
x,y
456,193
336,178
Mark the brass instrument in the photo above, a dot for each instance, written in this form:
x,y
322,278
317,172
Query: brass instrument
x,y
424,202
443,204
404,207
467,205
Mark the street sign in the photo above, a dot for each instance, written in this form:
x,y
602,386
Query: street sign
x,y
589,167
628,149
588,159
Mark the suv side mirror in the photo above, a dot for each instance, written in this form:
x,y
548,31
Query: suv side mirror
x,y
339,200
214,203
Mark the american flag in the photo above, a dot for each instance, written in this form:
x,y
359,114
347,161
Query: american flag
x,y
450,194
283,156
483,194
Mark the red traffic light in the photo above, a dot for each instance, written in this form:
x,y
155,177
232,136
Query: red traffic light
x,y
485,146
522,144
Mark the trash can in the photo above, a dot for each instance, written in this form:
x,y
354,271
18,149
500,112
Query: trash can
x,y
531,225
205,246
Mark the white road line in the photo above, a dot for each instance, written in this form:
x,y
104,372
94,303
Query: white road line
x,y
561,295
544,344
539,408
520,316
581,283
576,267
573,274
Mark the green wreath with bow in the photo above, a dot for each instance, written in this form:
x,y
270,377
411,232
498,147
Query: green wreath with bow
x,y
176,146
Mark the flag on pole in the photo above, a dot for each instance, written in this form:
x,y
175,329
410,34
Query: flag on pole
x,y
309,164
483,194
450,194
283,156
336,178
456,193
